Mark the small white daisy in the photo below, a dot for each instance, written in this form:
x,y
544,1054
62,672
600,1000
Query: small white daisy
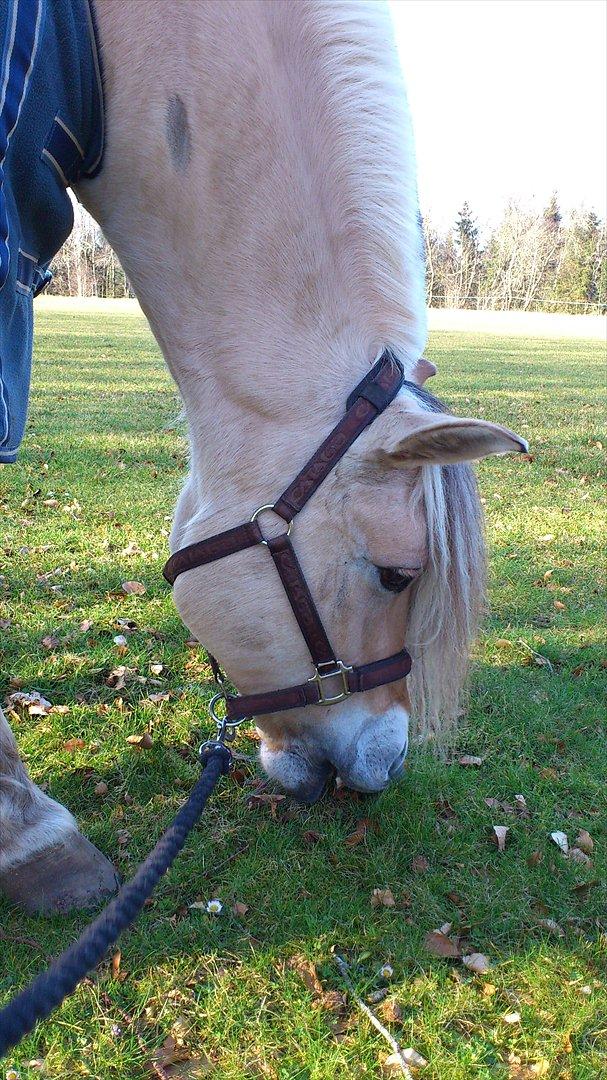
x,y
214,907
387,971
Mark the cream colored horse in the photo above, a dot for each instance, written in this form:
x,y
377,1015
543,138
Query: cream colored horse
x,y
259,188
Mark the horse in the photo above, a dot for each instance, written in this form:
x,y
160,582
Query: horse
x,y
258,185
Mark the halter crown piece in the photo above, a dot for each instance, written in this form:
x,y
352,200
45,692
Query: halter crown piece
x,y
333,680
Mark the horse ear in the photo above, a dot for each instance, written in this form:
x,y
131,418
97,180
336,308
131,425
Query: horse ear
x,y
440,439
424,369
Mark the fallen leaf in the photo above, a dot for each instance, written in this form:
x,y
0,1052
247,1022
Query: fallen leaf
x,y
240,909
512,1018
143,742
578,856
561,841
552,927
534,859
469,759
392,1065
420,864
391,1011
382,898
581,890
500,833
271,799
117,678
360,832
133,588
73,744
548,773
584,842
503,643
101,788
476,962
51,641
310,836
559,605
440,945
307,973
117,974
35,704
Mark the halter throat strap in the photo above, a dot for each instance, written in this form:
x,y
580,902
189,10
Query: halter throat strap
x,y
333,681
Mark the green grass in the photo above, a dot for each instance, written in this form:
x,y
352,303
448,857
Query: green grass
x,y
102,444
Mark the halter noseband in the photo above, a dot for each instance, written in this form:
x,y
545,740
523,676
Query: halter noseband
x,y
333,680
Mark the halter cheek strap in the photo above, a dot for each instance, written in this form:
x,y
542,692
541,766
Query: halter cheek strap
x,y
333,681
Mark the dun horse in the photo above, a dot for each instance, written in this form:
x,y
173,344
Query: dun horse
x,y
258,185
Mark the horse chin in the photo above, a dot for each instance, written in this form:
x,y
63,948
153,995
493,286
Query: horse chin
x,y
302,779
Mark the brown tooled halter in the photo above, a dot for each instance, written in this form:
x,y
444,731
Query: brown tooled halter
x,y
333,680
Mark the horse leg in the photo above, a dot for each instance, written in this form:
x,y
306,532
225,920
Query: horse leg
x,y
46,864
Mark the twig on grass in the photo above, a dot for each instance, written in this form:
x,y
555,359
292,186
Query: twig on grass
x,y
397,1049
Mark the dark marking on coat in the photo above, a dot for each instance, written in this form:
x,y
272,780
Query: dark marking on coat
x,y
179,137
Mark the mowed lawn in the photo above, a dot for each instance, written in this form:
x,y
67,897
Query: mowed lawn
x,y
234,996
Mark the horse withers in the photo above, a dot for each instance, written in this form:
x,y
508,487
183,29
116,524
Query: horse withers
x,y
258,185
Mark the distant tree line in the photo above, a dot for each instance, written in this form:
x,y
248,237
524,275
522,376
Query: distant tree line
x,y
530,261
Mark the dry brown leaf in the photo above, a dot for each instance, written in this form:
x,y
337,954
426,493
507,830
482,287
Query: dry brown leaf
x,y
271,799
477,962
362,828
534,859
578,856
73,744
310,836
133,588
503,643
581,891
142,742
584,842
382,898
440,945
117,678
101,788
420,864
307,972
559,605
51,641
391,1011
240,909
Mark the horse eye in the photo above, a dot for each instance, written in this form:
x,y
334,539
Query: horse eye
x,y
393,579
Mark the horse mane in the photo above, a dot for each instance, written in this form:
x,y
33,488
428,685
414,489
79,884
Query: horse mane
x,y
361,140
448,599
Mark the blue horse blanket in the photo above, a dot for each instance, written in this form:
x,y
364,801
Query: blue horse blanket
x,y
51,136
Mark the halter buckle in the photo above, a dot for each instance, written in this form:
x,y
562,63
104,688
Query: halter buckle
x,y
337,670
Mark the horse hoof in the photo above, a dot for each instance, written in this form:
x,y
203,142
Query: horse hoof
x,y
65,877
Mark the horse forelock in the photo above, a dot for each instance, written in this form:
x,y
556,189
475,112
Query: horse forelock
x,y
448,599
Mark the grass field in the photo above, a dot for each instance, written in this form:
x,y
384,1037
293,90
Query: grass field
x,y
87,508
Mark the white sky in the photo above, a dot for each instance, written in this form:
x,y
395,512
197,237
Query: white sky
x,y
509,99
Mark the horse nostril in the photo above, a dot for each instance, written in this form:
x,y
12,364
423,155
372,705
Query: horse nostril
x,y
398,765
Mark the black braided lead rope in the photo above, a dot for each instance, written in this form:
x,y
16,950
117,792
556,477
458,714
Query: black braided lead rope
x,y
49,989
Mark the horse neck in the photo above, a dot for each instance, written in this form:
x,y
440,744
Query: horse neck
x,y
217,195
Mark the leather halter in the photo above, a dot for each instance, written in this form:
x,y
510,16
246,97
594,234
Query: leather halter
x,y
333,680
